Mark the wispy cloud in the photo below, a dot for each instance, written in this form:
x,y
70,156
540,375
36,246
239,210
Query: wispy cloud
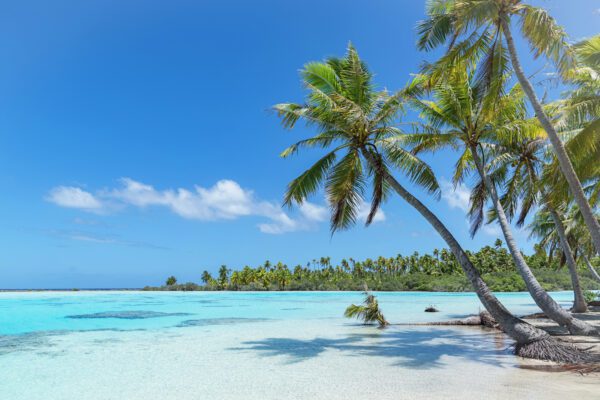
x,y
225,200
90,237
456,197
74,197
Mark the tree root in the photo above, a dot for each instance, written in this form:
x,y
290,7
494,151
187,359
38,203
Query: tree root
x,y
551,349
569,356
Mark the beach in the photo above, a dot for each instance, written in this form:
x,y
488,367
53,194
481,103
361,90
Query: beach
x,y
138,345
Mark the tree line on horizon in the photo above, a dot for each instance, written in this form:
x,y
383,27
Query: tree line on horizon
x,y
435,271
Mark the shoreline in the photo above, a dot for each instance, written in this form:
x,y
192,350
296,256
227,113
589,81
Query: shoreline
x,y
247,291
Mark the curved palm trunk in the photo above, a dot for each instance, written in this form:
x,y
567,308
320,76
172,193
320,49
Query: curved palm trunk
x,y
550,307
519,330
561,153
590,267
579,304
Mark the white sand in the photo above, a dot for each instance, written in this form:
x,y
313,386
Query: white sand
x,y
282,360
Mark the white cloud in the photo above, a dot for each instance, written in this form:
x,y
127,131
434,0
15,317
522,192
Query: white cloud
x,y
314,212
456,197
225,200
74,197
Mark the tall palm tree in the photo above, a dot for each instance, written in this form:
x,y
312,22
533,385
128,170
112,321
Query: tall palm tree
x,y
461,116
475,27
548,226
520,162
353,118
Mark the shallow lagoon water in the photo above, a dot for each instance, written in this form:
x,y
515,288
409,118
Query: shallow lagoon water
x,y
290,345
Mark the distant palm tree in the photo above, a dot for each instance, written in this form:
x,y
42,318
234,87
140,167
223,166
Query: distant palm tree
x,y
475,27
171,281
206,277
352,117
223,277
460,115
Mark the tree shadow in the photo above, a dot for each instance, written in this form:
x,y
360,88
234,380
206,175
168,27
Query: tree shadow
x,y
414,348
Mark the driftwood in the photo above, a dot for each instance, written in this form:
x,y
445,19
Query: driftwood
x,y
483,319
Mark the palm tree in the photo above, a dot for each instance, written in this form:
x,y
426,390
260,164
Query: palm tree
x,y
473,27
207,278
548,226
352,117
368,312
223,277
579,122
171,281
590,267
461,116
521,161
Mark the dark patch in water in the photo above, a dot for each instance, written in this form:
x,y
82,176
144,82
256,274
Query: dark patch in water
x,y
219,321
43,339
218,306
127,315
26,341
292,309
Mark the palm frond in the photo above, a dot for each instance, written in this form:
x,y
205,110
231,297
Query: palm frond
x,y
546,37
306,184
345,190
414,168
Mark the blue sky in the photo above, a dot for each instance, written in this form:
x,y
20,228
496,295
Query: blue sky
x,y
136,141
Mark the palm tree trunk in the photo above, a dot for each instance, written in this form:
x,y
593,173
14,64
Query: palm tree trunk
x,y
550,307
590,266
579,304
561,153
522,332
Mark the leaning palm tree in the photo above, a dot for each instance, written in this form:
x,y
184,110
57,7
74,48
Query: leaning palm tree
x,y
591,268
548,226
580,237
519,163
461,116
368,312
354,119
476,27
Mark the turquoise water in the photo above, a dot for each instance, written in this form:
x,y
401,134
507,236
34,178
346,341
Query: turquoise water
x,y
223,345
76,311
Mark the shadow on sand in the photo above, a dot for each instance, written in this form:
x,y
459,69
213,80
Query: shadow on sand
x,y
415,348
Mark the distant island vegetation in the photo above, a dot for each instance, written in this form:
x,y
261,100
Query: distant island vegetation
x,y
437,272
